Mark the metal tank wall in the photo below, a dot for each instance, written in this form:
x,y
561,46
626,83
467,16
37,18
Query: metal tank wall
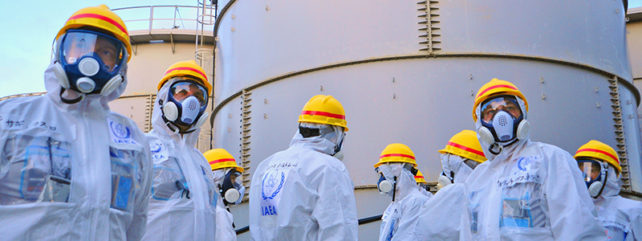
x,y
161,36
634,38
407,72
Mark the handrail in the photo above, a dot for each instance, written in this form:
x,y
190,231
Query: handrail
x,y
153,17
361,221
242,230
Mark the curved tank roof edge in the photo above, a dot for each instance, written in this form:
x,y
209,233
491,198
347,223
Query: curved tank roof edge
x,y
634,15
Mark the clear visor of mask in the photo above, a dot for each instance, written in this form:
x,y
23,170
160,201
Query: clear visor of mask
x,y
590,169
78,43
183,88
493,106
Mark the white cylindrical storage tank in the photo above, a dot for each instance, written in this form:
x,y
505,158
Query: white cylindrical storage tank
x,y
407,72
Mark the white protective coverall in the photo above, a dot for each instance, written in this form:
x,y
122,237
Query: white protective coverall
x,y
441,217
619,216
103,154
530,191
425,192
455,164
400,219
303,193
174,213
224,219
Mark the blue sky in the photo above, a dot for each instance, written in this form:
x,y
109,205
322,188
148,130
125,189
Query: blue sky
x,y
30,27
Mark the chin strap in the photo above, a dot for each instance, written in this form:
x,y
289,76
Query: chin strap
x,y
394,189
69,101
495,148
175,128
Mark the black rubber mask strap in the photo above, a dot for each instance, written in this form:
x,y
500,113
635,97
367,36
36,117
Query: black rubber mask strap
x,y
69,101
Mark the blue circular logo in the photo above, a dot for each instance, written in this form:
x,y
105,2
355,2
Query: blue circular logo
x,y
271,186
119,130
155,147
523,163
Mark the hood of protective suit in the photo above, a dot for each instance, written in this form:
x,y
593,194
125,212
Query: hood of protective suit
x,y
613,184
505,150
405,180
53,91
219,176
317,143
455,164
159,124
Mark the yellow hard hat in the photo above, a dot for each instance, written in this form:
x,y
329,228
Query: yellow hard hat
x,y
324,109
419,178
494,88
465,144
396,153
219,158
186,68
102,18
600,151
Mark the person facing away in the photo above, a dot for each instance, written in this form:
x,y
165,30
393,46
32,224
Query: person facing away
x,y
440,217
227,180
396,169
305,192
600,166
183,201
422,184
70,169
526,190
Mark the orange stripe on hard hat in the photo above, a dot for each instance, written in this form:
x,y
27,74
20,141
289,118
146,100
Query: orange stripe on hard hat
x,y
598,151
495,87
101,17
187,68
222,160
309,112
419,177
466,148
401,155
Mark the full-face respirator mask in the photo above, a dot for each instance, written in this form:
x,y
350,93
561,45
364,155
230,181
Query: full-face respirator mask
x,y
89,62
185,104
595,174
389,175
232,190
503,122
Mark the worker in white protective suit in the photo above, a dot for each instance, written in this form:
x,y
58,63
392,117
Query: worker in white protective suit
x,y
600,166
396,169
227,180
441,216
70,169
460,156
183,201
422,184
526,190
305,192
